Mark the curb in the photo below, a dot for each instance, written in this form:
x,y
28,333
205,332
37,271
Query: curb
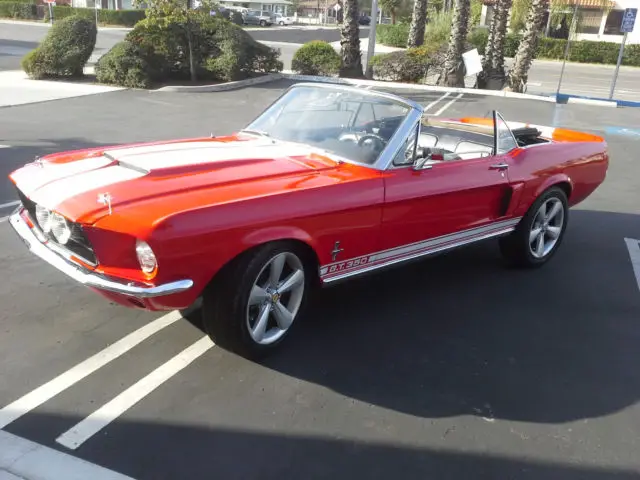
x,y
221,87
347,81
601,102
25,459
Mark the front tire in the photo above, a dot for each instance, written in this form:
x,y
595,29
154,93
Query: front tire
x,y
251,307
540,232
263,23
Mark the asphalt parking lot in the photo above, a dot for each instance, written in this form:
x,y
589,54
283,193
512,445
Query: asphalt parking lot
x,y
455,367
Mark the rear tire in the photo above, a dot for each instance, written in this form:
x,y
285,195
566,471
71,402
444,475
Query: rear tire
x,y
252,305
539,234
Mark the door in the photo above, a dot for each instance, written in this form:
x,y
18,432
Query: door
x,y
436,203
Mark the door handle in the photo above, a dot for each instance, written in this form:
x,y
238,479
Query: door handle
x,y
499,166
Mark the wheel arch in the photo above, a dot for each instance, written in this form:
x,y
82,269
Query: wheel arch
x,y
562,181
257,239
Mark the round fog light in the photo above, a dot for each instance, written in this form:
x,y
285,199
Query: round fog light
x,y
146,257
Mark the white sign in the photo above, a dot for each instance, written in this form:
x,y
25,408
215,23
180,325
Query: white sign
x,y
472,62
337,7
628,20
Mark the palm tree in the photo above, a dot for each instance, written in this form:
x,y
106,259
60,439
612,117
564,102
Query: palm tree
x,y
453,74
493,73
418,24
518,74
392,7
350,41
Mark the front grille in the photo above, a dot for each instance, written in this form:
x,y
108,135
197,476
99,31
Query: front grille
x,y
77,245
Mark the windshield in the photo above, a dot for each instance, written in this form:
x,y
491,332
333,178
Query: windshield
x,y
354,125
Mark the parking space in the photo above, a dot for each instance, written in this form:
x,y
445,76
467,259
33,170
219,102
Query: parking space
x,y
455,367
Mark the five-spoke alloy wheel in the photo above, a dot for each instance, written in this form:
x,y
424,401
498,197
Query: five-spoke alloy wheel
x,y
254,302
540,232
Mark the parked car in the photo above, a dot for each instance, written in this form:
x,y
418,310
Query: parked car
x,y
330,182
281,20
256,17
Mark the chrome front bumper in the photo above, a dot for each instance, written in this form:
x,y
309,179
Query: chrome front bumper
x,y
85,276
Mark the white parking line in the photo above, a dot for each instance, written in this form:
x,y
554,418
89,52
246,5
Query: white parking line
x,y
633,246
78,434
24,459
45,392
9,204
439,99
2,220
448,104
5,146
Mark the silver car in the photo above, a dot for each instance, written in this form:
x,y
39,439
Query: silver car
x,y
257,17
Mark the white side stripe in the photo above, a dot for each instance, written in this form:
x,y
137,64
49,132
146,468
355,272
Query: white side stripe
x,y
369,260
77,435
45,392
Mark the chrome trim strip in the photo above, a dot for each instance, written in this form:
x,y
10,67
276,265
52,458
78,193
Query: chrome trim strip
x,y
84,276
425,253
422,244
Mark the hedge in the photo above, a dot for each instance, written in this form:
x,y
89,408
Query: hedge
x,y
583,51
393,35
156,50
19,9
316,58
125,18
64,51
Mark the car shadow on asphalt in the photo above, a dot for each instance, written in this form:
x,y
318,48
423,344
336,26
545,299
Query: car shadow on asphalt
x,y
161,450
462,334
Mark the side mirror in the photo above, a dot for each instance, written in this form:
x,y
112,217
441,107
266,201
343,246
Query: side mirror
x,y
422,157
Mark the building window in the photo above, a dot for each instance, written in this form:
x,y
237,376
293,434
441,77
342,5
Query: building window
x,y
590,21
614,21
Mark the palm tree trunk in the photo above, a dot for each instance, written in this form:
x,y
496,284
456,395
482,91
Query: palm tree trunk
x,y
526,50
493,73
418,24
350,42
453,75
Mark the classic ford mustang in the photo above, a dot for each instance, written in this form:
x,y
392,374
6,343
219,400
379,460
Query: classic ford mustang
x,y
328,183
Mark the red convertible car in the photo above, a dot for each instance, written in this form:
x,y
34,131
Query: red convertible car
x,y
328,183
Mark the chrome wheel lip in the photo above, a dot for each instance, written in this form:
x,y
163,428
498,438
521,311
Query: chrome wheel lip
x,y
546,228
268,298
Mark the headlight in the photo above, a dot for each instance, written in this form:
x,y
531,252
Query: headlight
x,y
43,216
60,228
146,257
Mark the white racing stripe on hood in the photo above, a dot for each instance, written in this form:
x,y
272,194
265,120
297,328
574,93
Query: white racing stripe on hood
x,y
31,177
170,148
55,193
185,157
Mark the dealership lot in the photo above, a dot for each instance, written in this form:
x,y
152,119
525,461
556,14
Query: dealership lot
x,y
454,367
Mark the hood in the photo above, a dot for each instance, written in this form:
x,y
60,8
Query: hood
x,y
72,183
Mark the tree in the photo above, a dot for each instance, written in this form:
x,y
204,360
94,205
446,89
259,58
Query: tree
x,y
493,73
350,41
418,24
185,17
453,74
392,7
518,74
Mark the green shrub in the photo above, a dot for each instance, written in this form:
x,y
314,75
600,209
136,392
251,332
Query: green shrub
x,y
125,18
157,50
438,28
583,51
393,35
316,58
478,38
18,9
127,66
408,66
64,51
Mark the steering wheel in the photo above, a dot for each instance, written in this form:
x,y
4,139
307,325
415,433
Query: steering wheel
x,y
377,142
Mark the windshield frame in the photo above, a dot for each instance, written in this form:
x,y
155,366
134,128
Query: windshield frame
x,y
395,143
